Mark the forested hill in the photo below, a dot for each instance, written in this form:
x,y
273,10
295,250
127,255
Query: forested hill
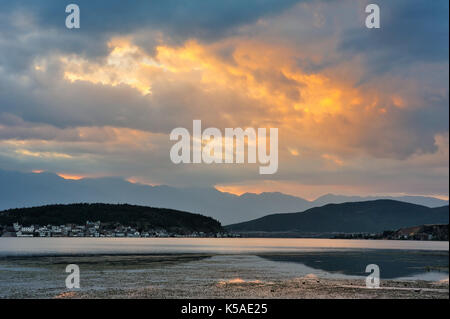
x,y
128,215
369,216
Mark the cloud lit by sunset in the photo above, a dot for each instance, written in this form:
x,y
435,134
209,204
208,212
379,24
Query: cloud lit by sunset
x,y
358,111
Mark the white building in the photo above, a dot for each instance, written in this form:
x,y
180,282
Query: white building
x,y
27,229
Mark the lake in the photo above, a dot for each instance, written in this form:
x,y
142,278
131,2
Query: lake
x,y
74,246
193,267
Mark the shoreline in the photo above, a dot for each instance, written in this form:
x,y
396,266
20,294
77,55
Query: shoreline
x,y
238,276
307,287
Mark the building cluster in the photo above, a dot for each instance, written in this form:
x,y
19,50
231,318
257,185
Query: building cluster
x,y
93,229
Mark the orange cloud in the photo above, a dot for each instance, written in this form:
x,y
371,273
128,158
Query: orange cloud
x,y
311,110
320,115
139,180
261,72
70,176
333,159
48,155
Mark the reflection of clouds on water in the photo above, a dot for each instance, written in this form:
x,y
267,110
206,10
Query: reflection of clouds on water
x,y
123,246
439,277
414,265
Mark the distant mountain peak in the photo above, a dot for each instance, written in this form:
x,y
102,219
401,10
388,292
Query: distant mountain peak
x,y
20,189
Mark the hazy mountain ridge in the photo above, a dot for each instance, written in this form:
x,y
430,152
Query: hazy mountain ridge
x,y
369,216
31,189
418,200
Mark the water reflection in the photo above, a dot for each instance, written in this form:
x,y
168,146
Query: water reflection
x,y
392,263
77,246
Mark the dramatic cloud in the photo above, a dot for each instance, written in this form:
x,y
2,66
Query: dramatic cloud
x,y
359,111
414,31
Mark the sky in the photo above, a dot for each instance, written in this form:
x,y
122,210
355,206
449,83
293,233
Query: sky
x,y
359,111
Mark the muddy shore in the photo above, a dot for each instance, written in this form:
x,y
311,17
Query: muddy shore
x,y
309,287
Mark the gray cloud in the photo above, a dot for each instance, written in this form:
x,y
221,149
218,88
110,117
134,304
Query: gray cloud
x,y
395,60
412,31
33,28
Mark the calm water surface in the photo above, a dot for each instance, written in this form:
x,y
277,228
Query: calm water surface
x,y
74,246
35,267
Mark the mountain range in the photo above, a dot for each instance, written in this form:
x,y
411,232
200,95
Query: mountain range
x,y
19,189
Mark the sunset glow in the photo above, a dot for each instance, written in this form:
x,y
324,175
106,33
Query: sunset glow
x,y
352,118
70,177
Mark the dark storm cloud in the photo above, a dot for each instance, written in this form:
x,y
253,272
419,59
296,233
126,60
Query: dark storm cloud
x,y
412,31
198,18
177,19
45,99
